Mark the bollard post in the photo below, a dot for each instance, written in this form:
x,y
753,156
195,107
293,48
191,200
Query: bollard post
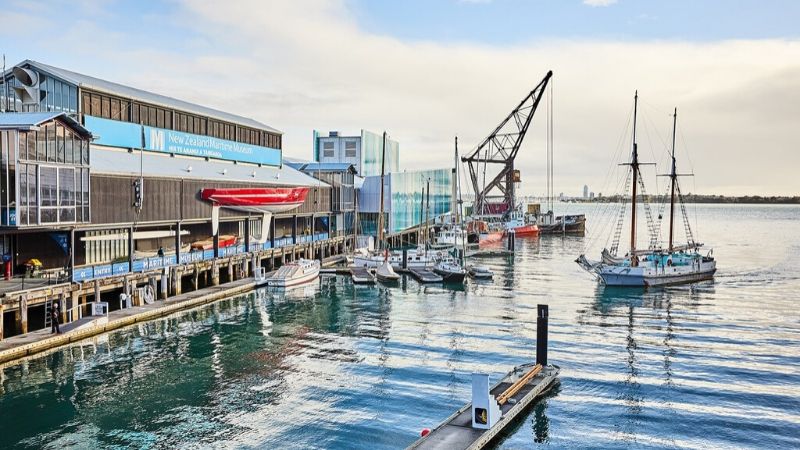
x,y
541,334
511,240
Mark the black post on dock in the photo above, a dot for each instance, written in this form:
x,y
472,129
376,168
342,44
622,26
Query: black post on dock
x,y
541,334
511,240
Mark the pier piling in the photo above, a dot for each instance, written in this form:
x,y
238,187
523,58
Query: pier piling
x,y
541,334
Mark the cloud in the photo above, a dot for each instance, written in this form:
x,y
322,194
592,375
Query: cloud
x,y
307,65
595,3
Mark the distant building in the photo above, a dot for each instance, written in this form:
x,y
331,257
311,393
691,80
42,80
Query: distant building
x,y
363,152
591,195
585,191
561,196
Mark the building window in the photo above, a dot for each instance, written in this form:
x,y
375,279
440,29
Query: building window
x,y
327,149
350,149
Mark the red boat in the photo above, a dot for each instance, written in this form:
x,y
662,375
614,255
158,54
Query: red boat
x,y
527,230
260,200
208,244
486,235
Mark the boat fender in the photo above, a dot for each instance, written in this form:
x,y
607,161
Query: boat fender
x,y
425,432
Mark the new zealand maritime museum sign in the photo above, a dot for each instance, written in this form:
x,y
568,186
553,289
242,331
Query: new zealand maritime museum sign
x,y
129,135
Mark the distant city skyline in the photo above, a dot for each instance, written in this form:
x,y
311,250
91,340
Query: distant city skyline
x,y
731,70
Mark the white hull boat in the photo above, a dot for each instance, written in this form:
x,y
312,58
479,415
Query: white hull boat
x,y
295,273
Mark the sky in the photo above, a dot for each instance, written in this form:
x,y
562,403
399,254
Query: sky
x,y
428,70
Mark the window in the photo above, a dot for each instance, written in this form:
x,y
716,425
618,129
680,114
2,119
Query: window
x,y
57,194
115,109
105,102
327,149
60,146
350,149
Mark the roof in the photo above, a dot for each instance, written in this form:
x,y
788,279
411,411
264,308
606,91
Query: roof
x,y
97,84
31,120
322,167
105,160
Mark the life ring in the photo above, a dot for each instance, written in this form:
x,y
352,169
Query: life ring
x,y
148,294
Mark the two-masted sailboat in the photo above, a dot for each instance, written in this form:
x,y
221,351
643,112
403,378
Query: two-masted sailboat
x,y
654,266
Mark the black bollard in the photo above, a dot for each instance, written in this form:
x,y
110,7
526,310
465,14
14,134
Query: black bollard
x,y
541,334
511,240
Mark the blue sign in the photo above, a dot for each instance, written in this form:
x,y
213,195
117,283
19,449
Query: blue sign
x,y
114,133
61,239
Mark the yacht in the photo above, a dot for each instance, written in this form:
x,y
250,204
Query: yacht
x,y
295,273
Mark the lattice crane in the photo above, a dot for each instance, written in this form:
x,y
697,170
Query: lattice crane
x,y
499,149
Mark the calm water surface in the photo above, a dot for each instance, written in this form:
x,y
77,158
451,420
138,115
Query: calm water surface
x,y
717,365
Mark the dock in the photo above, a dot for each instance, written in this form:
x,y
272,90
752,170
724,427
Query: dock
x,y
425,275
494,409
362,276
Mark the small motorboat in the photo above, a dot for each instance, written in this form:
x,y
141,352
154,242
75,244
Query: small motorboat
x,y
450,270
295,273
481,272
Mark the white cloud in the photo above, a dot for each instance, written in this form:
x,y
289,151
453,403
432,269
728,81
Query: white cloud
x,y
599,2
304,65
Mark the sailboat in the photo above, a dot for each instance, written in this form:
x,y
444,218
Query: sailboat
x,y
381,262
677,264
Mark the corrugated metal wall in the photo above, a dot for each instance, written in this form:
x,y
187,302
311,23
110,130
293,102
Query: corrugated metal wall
x,y
169,200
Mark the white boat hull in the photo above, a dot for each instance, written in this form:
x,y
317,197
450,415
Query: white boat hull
x,y
648,276
294,275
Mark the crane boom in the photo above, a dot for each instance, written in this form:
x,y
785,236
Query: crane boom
x,y
500,148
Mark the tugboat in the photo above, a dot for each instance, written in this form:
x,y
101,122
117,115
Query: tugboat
x,y
295,273
677,264
517,223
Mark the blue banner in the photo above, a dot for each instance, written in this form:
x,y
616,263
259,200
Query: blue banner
x,y
61,239
114,133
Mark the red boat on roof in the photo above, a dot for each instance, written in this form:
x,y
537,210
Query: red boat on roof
x,y
261,200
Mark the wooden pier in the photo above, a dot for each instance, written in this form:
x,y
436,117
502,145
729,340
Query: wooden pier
x,y
493,409
29,307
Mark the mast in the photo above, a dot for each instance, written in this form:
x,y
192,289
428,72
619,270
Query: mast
x,y
454,191
462,230
635,167
427,214
674,179
383,174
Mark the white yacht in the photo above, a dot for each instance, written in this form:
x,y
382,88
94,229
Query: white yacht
x,y
295,273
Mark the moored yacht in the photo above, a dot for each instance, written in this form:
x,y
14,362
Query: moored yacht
x,y
449,269
295,273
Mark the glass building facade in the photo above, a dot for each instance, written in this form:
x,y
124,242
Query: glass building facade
x,y
404,203
371,151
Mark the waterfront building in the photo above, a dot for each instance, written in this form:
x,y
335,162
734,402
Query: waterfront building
x,y
101,179
585,191
363,151
404,204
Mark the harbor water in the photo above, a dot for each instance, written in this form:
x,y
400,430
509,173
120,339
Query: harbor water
x,y
716,365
